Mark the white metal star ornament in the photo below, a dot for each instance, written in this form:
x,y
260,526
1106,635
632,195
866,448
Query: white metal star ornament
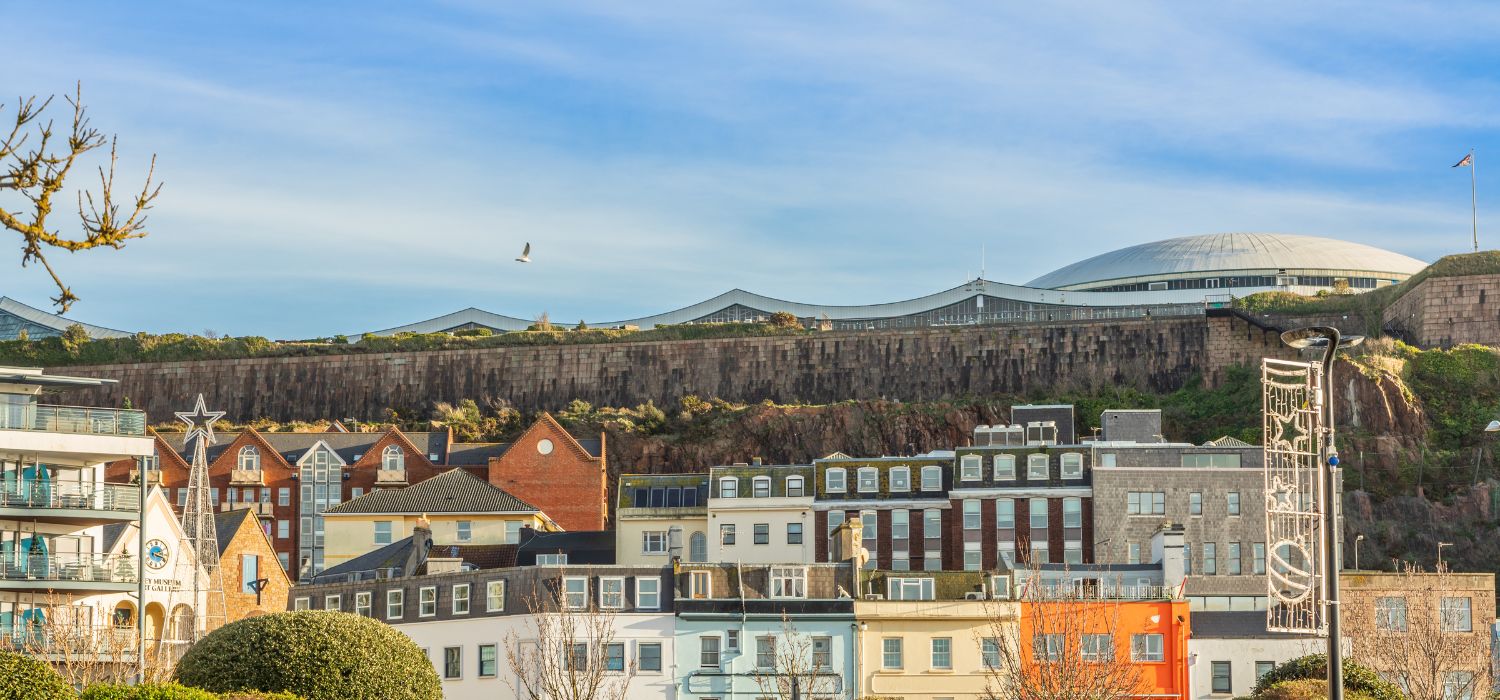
x,y
200,421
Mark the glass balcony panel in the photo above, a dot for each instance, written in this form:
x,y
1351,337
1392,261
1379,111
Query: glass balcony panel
x,y
74,419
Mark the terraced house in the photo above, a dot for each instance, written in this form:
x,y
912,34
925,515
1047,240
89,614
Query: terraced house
x,y
291,480
661,516
760,514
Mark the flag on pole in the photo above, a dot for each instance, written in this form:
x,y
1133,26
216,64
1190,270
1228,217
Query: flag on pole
x,y
1468,160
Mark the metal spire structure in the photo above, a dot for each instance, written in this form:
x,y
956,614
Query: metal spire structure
x,y
199,535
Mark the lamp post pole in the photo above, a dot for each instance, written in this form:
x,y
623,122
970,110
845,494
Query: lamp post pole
x,y
1330,339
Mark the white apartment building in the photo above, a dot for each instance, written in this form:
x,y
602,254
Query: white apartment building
x,y
57,583
761,514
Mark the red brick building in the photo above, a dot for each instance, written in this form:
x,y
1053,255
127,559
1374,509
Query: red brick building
x,y
290,479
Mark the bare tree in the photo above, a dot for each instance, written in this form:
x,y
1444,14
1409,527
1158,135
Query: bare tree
x,y
83,651
1062,648
794,665
568,654
1417,634
39,169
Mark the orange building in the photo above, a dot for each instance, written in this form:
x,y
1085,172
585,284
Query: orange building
x,y
1113,644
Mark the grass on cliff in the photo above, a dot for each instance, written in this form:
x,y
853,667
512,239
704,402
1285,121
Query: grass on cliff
x,y
76,348
1373,303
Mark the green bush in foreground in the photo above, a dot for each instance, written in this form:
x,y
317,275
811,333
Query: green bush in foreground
x,y
316,654
146,691
1358,680
25,678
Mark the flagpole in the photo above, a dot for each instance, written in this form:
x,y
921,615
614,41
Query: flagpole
x,y
1474,196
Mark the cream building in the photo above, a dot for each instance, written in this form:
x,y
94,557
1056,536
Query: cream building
x,y
923,644
461,510
761,514
659,516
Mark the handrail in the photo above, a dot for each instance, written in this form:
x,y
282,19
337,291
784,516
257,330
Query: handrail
x,y
78,420
104,568
77,495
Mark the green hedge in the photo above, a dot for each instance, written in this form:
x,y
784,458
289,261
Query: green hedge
x,y
1357,679
317,654
146,691
25,678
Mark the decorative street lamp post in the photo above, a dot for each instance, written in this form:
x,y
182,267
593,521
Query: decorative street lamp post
x,y
1330,340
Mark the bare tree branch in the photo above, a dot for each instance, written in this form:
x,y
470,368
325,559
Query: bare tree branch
x,y
39,173
564,656
1405,633
794,661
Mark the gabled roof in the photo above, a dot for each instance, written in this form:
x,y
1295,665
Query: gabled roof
x,y
227,523
392,556
453,491
293,446
1227,441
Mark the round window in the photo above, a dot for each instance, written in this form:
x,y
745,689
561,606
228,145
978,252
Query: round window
x,y
544,446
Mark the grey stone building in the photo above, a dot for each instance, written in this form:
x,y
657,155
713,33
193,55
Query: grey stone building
x,y
1214,491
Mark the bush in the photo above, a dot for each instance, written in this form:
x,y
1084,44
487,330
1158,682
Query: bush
x,y
25,678
1358,680
147,691
317,654
258,695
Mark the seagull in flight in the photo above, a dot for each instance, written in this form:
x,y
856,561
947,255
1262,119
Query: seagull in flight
x,y
525,255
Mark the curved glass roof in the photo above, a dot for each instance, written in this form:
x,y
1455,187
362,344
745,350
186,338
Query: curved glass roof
x,y
1229,252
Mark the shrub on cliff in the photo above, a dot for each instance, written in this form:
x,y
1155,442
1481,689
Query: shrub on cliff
x,y
317,654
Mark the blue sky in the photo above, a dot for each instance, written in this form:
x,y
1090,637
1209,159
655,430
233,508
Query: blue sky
x,y
360,165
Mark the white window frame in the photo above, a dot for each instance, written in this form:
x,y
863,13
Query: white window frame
x,y
427,607
1077,510
901,526
832,485
904,588
733,484
1147,648
700,580
973,514
575,600
936,472
647,599
389,533
788,582
704,652
1005,467
654,542
302,603
392,458
395,598
607,598
463,531
333,601
1232,502
900,479
1072,465
248,458
1038,467
970,468
796,487
494,591
362,603
887,650
947,653
867,480
459,605
757,484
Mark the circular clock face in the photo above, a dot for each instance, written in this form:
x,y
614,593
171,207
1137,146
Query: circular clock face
x,y
544,446
157,554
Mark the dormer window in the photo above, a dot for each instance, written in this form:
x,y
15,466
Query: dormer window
x,y
762,486
932,478
794,488
1036,466
835,480
869,479
249,459
729,487
970,468
900,479
392,459
1005,467
1072,465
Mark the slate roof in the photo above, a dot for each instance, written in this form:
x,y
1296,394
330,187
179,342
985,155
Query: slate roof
x,y
475,454
349,446
1226,624
582,547
227,523
112,534
480,556
1227,441
453,491
392,556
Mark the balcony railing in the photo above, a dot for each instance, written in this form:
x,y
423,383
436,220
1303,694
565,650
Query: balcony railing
x,y
96,568
261,508
390,476
59,639
76,495
1096,592
73,419
239,477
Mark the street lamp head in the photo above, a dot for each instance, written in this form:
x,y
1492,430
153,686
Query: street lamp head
x,y
1494,426
1317,337
1358,538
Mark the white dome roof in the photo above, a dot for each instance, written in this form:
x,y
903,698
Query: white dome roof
x,y
1230,252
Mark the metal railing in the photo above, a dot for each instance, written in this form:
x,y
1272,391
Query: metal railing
x,y
77,420
100,568
1071,591
47,638
79,495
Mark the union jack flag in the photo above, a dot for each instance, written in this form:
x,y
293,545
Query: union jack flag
x,y
1468,160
